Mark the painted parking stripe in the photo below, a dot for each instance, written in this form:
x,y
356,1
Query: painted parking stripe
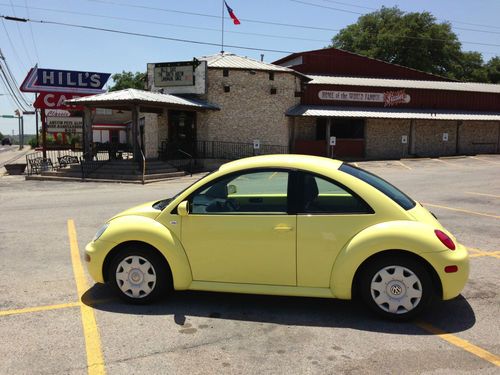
x,y
485,160
461,210
95,358
484,194
39,308
404,165
461,343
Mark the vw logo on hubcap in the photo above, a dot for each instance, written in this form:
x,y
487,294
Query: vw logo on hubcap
x,y
396,290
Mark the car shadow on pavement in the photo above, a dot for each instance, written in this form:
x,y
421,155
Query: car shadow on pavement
x,y
450,316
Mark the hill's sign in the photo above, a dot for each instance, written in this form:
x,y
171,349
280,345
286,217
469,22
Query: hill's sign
x,y
64,81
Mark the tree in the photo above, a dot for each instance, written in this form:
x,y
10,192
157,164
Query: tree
x,y
128,80
493,70
415,40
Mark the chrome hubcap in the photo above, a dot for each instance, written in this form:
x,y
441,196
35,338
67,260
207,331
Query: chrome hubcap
x,y
396,289
135,276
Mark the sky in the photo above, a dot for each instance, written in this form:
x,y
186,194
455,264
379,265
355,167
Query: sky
x,y
269,27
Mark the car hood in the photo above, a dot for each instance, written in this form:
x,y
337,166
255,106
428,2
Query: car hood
x,y
145,209
423,215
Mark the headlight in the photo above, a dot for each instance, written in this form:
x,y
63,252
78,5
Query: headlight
x,y
100,232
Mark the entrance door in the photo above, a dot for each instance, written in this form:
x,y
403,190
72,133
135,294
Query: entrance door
x,y
239,231
182,130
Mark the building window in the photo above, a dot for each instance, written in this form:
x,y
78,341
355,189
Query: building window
x,y
103,111
271,76
273,91
225,72
227,88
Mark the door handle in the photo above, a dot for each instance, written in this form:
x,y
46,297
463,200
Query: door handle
x,y
283,228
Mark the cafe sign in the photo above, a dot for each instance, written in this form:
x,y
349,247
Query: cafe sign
x,y
389,98
64,124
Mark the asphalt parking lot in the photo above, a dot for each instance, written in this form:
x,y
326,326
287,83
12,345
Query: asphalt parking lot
x,y
54,320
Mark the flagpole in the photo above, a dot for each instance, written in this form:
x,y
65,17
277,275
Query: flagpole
x,y
222,43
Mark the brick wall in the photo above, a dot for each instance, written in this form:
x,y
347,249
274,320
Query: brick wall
x,y
429,138
383,138
249,111
477,137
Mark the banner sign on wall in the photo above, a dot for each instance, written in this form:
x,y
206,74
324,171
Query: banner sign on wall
x,y
389,98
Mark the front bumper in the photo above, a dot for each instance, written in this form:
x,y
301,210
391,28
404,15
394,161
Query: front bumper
x,y
452,283
96,252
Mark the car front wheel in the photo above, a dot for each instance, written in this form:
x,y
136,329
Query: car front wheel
x,y
139,275
396,287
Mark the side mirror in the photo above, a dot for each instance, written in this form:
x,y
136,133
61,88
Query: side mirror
x,y
231,189
183,208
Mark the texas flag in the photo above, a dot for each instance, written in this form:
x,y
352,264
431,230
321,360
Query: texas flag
x,y
235,19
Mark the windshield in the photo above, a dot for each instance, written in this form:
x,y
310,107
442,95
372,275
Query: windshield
x,y
160,205
380,184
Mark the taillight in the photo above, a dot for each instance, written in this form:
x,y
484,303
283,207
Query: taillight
x,y
445,239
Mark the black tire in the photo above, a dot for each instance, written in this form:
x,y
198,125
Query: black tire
x,y
396,287
145,265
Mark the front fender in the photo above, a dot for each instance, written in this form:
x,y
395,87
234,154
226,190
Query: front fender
x,y
411,236
139,228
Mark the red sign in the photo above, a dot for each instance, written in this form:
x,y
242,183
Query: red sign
x,y
55,100
392,98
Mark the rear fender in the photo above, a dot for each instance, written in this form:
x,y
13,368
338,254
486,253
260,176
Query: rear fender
x,y
411,236
139,228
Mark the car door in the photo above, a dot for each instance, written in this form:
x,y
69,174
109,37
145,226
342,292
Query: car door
x,y
329,215
238,230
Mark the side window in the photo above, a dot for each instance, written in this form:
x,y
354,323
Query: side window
x,y
322,197
250,193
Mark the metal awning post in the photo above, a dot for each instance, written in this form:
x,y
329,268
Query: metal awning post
x,y
87,133
135,132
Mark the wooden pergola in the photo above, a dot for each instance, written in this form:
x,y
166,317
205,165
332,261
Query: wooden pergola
x,y
136,101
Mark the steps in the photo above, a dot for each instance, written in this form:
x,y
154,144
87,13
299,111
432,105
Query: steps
x,y
119,171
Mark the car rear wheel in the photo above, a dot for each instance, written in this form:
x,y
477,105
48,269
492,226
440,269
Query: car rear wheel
x,y
396,287
139,275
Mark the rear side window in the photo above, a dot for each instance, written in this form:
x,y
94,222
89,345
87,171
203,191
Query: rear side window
x,y
320,196
380,184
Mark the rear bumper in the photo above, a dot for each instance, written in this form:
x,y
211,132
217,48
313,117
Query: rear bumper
x,y
452,283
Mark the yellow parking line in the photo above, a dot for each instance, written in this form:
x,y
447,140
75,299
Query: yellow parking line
x,y
461,343
95,358
485,160
39,308
461,210
486,195
404,165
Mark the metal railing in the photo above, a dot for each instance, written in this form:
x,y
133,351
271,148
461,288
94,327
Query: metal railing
x,y
91,161
36,163
217,150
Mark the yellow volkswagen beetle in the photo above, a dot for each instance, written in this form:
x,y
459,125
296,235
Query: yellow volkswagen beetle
x,y
290,225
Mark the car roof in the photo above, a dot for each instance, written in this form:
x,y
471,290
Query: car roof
x,y
292,161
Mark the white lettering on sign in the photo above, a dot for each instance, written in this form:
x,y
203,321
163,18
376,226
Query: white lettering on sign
x,y
389,98
53,101
48,78
64,124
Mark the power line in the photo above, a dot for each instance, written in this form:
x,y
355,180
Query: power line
x,y
173,25
31,32
14,50
21,34
9,18
353,12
